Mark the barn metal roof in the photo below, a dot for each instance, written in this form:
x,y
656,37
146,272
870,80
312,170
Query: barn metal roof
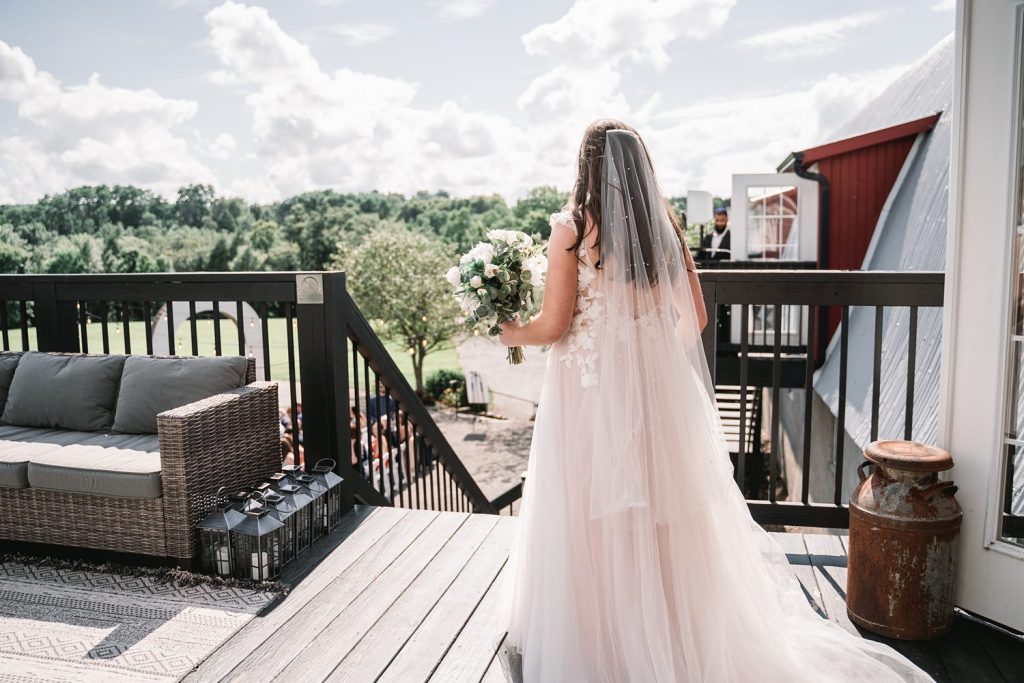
x,y
910,235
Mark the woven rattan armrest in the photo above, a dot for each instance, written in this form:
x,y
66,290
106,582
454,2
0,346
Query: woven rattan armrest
x,y
230,439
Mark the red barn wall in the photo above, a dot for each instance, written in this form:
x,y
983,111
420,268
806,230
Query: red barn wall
x,y
860,182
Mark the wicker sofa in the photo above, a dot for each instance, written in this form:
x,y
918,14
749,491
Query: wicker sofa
x,y
126,453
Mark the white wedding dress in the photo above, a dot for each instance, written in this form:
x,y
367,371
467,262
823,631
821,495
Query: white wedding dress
x,y
636,558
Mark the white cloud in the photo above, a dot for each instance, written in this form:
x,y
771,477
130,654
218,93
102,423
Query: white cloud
x,y
812,38
223,146
348,129
700,146
355,131
610,30
308,126
455,10
362,34
90,133
944,6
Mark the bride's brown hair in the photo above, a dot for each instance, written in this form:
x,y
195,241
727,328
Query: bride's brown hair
x,y
586,193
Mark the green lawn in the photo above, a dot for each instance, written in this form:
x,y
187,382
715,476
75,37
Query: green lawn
x,y
445,358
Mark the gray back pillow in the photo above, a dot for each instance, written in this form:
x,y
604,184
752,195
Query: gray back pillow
x,y
8,363
64,392
152,385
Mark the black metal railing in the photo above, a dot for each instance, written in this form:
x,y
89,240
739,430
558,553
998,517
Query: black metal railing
x,y
357,407
777,363
399,449
304,332
505,502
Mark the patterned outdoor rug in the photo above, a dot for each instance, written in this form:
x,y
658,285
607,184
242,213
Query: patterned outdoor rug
x,y
67,624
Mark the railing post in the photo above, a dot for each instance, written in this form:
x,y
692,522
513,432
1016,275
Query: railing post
x,y
55,320
323,361
336,330
313,369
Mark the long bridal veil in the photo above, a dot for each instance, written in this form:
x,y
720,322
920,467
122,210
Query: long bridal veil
x,y
636,557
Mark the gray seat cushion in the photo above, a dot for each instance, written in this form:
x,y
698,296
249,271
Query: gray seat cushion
x,y
64,391
19,444
150,386
8,363
125,465
120,465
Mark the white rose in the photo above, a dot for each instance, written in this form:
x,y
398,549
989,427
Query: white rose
x,y
475,281
490,270
482,252
453,276
482,292
536,264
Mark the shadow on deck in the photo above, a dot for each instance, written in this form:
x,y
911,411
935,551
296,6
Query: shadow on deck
x,y
410,595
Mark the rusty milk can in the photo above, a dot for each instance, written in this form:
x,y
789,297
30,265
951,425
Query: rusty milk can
x,y
904,524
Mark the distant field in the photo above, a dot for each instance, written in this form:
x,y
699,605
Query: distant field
x,y
445,358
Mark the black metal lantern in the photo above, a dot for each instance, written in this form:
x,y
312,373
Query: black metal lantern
x,y
215,537
323,471
318,491
258,544
300,522
293,472
283,509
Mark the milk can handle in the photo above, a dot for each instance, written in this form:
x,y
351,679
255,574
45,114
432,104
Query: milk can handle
x,y
860,469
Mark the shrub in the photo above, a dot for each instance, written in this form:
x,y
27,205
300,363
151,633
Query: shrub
x,y
440,382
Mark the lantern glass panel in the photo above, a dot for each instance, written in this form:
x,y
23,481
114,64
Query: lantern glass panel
x,y
258,545
324,472
319,518
215,539
282,508
300,498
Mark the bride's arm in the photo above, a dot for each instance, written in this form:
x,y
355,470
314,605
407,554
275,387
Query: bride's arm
x,y
695,292
559,297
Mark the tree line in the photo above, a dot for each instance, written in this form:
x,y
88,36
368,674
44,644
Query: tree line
x,y
127,229
395,248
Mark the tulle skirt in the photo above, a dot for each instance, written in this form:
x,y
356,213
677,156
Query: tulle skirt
x,y
683,586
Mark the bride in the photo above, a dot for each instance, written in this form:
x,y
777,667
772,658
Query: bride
x,y
636,557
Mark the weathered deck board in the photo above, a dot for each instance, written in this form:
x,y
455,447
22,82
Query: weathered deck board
x,y
384,639
494,673
828,559
473,649
321,649
358,531
296,632
407,596
421,653
800,561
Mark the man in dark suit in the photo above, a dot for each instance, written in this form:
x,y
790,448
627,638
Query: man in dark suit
x,y
717,245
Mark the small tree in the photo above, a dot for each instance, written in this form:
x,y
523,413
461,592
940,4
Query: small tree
x,y
396,276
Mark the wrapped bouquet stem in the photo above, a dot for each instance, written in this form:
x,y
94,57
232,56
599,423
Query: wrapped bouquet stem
x,y
497,281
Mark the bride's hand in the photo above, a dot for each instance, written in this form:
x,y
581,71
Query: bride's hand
x,y
509,328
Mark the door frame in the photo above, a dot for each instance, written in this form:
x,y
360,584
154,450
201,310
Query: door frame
x,y
987,73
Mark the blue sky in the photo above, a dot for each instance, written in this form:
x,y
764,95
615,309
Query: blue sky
x,y
267,99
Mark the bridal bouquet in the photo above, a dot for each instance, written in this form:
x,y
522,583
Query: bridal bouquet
x,y
496,281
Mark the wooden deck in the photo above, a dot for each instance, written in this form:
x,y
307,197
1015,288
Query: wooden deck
x,y
409,595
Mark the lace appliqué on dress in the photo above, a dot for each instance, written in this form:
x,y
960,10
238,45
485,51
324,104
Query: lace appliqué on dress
x,y
578,345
